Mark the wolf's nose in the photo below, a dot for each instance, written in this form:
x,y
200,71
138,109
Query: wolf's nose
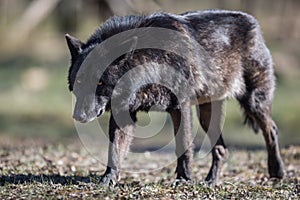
x,y
79,117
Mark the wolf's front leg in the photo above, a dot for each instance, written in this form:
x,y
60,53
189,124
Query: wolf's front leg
x,y
182,122
120,136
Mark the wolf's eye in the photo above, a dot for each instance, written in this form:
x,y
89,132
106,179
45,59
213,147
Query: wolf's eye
x,y
99,83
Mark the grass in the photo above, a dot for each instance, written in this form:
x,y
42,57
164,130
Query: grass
x,y
43,171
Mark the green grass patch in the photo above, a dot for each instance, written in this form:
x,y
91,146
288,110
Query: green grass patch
x,y
68,171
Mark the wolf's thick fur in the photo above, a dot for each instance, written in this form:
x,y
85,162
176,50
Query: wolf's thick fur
x,y
242,68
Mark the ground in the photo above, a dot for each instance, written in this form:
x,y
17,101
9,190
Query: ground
x,y
37,170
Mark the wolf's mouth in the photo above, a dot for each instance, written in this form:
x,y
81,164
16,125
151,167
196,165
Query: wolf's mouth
x,y
100,111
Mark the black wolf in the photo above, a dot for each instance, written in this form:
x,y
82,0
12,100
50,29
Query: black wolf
x,y
238,58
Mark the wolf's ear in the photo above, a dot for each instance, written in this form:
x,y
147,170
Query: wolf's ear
x,y
74,45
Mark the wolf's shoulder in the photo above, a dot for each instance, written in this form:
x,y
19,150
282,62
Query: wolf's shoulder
x,y
220,17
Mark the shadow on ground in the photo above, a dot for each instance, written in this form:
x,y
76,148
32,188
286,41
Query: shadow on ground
x,y
51,179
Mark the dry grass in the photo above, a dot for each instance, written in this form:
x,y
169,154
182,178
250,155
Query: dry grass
x,y
30,169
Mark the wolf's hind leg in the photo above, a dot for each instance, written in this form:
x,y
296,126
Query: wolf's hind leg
x,y
210,120
270,132
259,112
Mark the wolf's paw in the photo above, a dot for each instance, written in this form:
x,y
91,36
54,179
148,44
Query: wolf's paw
x,y
212,179
276,168
182,181
108,180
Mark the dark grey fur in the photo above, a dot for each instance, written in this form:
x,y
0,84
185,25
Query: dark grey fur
x,y
242,66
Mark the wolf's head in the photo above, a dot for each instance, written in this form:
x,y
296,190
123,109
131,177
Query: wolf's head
x,y
92,97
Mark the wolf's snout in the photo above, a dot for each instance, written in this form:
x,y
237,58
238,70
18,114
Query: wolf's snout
x,y
81,117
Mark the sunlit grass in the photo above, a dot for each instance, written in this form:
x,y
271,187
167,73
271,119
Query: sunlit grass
x,y
68,171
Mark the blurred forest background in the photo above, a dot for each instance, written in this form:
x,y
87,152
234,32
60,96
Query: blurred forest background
x,y
35,102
